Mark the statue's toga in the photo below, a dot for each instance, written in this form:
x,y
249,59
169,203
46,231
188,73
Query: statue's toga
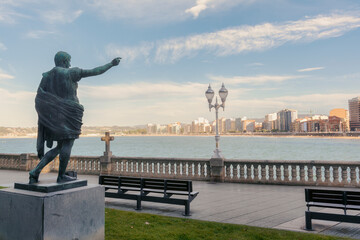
x,y
60,113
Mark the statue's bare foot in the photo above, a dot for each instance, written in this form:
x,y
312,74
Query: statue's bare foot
x,y
33,178
65,178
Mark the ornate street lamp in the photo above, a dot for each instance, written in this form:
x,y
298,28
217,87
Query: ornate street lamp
x,y
223,92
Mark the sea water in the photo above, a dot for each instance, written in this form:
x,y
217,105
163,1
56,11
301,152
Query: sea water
x,y
232,147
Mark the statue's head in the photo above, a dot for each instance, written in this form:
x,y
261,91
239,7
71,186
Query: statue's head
x,y
62,59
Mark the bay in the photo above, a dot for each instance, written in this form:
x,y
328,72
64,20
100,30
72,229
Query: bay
x,y
233,147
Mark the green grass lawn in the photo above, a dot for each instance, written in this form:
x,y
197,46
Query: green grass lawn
x,y
2,187
130,225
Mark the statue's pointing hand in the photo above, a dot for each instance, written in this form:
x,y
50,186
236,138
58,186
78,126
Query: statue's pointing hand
x,y
116,61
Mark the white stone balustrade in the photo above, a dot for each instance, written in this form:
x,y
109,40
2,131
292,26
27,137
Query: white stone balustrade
x,y
175,168
319,173
312,173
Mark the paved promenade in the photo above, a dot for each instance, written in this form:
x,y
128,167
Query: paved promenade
x,y
270,206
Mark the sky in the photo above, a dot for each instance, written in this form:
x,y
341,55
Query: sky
x,y
271,55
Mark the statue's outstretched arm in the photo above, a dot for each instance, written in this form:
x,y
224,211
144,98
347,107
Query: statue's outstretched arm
x,y
101,69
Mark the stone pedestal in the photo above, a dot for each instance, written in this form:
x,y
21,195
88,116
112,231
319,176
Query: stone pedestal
x,y
217,170
77,213
105,162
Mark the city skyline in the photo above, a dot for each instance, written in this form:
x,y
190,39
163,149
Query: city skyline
x,y
285,54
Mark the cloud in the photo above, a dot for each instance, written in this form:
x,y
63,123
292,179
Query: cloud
x,y
4,75
143,11
142,102
61,16
18,107
8,12
219,5
245,38
255,64
129,54
51,12
141,90
37,34
310,69
255,80
2,47
200,6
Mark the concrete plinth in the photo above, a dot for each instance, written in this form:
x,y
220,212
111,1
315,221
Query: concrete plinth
x,y
69,214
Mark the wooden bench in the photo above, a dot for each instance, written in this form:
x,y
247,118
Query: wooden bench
x,y
179,192
324,198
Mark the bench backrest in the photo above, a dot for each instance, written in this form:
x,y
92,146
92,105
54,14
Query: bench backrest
x,y
168,185
332,196
147,183
130,182
109,180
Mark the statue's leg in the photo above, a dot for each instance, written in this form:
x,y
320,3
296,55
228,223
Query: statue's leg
x,y
48,157
64,159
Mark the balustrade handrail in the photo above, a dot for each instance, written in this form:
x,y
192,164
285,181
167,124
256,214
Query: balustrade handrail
x,y
160,159
292,162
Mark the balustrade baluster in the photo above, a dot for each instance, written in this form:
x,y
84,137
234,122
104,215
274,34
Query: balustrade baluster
x,y
267,172
205,169
277,172
259,172
353,174
238,174
340,174
348,175
245,172
282,172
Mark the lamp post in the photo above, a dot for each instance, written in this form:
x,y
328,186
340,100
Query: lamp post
x,y
223,92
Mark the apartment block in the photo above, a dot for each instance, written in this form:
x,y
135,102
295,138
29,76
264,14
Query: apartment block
x,y
339,120
285,118
270,121
354,114
230,125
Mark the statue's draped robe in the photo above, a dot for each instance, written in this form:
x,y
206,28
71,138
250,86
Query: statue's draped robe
x,y
59,111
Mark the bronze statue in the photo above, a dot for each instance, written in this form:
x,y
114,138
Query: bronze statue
x,y
60,113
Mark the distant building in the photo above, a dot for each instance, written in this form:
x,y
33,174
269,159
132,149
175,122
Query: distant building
x,y
285,118
222,125
247,125
230,125
339,112
258,126
237,124
200,125
339,120
354,114
151,128
270,121
187,129
318,123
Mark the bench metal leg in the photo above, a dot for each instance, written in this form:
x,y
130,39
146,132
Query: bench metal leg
x,y
308,220
187,209
138,203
